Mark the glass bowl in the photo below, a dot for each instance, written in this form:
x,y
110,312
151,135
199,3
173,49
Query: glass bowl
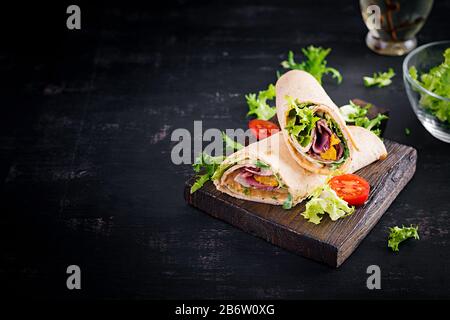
x,y
424,58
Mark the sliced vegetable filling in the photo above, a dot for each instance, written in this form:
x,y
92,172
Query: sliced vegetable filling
x,y
325,144
317,134
258,178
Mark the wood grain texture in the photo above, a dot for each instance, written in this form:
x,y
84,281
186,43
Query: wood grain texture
x,y
329,242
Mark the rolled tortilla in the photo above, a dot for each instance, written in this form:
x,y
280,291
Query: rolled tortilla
x,y
371,148
273,152
295,180
304,88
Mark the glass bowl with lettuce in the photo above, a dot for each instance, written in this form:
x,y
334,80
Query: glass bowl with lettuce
x,y
426,74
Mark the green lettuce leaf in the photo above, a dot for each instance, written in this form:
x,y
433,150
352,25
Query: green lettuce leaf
x,y
258,106
220,170
436,80
397,235
379,79
261,164
300,121
315,63
210,165
207,164
287,204
324,200
356,115
230,143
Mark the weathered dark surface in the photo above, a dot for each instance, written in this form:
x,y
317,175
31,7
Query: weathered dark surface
x,y
329,242
85,167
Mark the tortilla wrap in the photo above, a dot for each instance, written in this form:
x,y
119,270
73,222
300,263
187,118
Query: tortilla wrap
x,y
273,152
303,87
299,183
371,148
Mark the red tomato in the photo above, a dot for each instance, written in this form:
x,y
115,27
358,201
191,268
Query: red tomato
x,y
262,129
352,188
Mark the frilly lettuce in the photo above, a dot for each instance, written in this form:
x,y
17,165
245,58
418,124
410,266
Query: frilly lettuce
x,y
324,200
258,106
357,115
398,235
437,80
379,79
315,63
209,165
300,121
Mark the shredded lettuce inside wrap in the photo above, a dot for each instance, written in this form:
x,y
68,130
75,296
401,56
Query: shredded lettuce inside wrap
x,y
301,121
324,200
335,128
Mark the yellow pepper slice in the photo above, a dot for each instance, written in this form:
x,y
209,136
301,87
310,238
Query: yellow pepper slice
x,y
330,154
334,140
267,180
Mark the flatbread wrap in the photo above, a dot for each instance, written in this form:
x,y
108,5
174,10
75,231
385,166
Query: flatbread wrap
x,y
371,148
313,128
266,172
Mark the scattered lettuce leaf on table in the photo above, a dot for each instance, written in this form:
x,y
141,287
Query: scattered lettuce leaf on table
x,y
356,115
324,200
258,105
315,63
407,131
398,235
436,80
379,79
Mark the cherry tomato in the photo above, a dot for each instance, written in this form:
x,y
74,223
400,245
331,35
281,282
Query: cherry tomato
x,y
351,187
262,129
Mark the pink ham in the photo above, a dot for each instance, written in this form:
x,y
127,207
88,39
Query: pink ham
x,y
259,171
246,179
322,137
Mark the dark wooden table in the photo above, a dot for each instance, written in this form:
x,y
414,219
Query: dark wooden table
x,y
85,151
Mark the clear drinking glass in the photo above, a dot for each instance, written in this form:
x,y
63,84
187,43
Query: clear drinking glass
x,y
393,24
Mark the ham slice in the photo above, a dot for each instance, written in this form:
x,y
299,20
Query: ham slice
x,y
339,150
322,137
246,178
259,171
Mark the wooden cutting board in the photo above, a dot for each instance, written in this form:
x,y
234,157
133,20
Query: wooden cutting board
x,y
329,242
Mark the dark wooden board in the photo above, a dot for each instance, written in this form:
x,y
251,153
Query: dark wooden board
x,y
329,242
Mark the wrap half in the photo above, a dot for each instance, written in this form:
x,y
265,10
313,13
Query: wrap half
x,y
265,171
371,148
314,130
